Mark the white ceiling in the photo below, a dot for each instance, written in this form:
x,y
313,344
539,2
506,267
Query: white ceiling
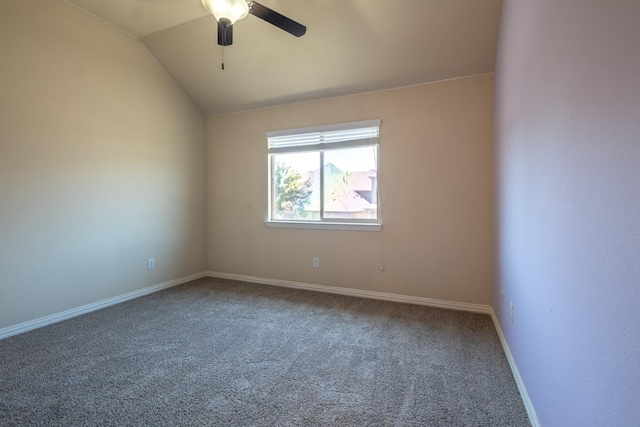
x,y
351,46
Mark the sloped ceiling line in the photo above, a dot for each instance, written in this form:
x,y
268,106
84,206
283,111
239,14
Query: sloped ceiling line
x,y
351,46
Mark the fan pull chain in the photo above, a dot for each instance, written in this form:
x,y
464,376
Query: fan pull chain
x,y
222,58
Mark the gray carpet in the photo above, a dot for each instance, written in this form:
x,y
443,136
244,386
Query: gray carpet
x,y
225,353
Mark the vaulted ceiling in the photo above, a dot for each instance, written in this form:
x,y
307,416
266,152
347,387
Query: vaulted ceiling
x,y
351,46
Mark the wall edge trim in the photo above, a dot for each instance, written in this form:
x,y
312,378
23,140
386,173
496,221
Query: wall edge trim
x,y
452,305
524,395
88,308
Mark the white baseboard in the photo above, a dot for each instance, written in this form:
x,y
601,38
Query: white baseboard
x,y
533,417
68,314
453,305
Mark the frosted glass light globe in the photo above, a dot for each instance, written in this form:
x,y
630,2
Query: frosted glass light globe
x,y
232,10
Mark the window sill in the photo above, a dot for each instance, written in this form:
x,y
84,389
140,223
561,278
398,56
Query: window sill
x,y
353,226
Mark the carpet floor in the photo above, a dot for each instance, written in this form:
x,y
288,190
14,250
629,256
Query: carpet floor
x,y
225,353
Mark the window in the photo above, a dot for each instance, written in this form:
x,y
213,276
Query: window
x,y
325,177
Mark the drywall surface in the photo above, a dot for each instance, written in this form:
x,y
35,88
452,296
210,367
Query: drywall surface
x,y
101,164
568,206
435,181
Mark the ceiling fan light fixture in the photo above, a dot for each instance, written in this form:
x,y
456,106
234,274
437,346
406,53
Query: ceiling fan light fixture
x,y
231,10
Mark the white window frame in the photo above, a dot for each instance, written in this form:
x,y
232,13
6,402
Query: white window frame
x,y
321,139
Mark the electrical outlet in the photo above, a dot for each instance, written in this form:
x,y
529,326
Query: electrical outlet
x,y
511,311
316,262
151,263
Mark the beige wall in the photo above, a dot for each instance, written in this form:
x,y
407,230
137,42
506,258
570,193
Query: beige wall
x,y
101,164
435,185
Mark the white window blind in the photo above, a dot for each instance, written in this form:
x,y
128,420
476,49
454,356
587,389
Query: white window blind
x,y
344,135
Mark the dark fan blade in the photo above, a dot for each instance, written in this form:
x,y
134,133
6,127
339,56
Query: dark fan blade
x,y
273,17
225,32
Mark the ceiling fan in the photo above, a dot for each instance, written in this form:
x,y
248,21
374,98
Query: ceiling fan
x,y
227,12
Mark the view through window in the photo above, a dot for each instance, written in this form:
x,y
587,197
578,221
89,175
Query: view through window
x,y
325,175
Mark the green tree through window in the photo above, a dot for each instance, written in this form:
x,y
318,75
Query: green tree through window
x,y
293,193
